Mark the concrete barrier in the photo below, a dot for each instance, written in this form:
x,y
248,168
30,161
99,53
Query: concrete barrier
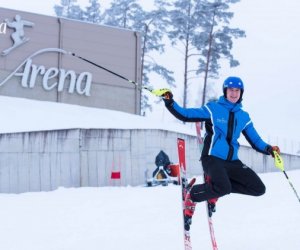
x,y
46,160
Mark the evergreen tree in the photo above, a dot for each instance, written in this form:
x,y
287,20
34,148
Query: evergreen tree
x,y
152,26
92,12
202,28
69,9
185,24
122,13
215,41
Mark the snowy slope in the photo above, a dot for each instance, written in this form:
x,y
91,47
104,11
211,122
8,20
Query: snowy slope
x,y
127,218
22,115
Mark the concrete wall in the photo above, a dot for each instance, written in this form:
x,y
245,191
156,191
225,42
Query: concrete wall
x,y
39,161
43,161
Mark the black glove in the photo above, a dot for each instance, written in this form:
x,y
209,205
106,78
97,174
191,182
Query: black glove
x,y
165,93
168,98
270,150
168,95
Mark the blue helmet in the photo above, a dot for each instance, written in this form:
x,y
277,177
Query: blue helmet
x,y
233,82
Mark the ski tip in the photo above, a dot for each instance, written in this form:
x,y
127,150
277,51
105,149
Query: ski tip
x,y
192,182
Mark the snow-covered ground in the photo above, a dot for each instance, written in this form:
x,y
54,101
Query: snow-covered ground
x,y
135,218
22,115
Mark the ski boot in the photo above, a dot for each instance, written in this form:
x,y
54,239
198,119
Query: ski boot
x,y
189,205
211,203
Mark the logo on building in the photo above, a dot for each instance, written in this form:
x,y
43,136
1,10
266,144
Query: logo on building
x,y
3,26
81,84
18,36
29,73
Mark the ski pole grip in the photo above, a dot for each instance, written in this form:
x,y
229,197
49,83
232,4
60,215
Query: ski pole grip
x,y
278,161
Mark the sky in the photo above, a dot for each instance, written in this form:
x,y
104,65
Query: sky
x,y
268,56
134,218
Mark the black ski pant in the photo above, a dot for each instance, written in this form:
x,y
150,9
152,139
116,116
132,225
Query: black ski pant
x,y
227,177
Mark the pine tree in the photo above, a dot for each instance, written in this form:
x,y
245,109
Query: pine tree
x,y
122,13
152,26
92,12
185,24
202,28
69,9
215,41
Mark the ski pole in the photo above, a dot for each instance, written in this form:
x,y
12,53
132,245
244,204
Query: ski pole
x,y
279,164
156,92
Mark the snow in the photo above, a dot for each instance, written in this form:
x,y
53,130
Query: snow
x,y
130,218
23,115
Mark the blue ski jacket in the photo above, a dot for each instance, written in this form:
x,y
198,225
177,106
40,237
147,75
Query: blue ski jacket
x,y
224,122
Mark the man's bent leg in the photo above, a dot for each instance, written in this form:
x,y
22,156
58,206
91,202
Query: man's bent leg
x,y
219,181
244,180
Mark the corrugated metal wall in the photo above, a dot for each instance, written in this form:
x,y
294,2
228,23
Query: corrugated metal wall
x,y
44,161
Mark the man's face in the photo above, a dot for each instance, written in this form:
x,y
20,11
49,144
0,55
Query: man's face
x,y
233,94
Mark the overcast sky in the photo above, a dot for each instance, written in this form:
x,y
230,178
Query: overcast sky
x,y
269,58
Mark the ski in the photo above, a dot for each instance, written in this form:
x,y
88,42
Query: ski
x,y
210,208
182,179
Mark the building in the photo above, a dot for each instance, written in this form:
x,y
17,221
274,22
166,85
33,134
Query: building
x,y
36,61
